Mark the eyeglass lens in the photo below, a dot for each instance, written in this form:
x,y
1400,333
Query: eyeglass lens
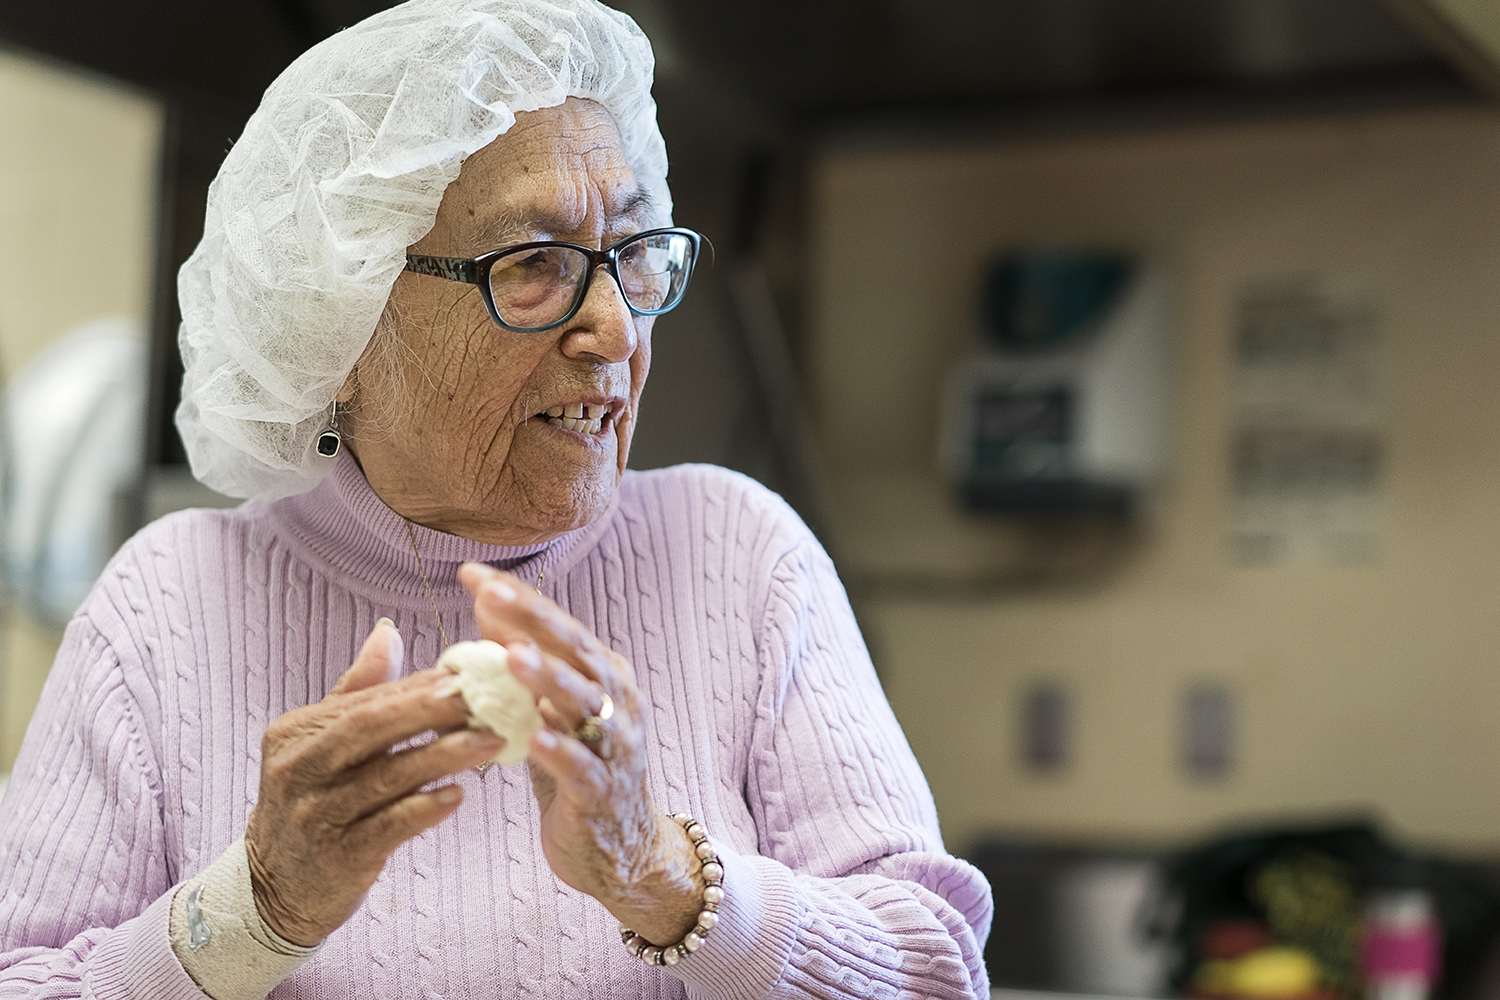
x,y
539,286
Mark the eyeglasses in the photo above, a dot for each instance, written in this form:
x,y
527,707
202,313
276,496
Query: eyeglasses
x,y
536,286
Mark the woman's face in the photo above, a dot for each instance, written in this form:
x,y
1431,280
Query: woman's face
x,y
460,439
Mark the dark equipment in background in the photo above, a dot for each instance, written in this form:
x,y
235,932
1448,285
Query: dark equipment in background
x,y
1021,953
1226,882
1205,895
1044,301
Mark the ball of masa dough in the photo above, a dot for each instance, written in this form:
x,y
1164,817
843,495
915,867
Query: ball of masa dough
x,y
495,698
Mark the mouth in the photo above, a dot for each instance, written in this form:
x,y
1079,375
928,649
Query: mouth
x,y
581,418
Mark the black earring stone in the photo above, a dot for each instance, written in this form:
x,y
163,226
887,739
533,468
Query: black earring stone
x,y
328,443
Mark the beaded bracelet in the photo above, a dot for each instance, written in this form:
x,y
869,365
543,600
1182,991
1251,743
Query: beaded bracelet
x,y
713,895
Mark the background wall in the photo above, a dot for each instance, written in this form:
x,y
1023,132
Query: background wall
x,y
1373,687
78,160
1362,687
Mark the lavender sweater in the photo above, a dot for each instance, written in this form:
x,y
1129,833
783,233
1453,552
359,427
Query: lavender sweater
x,y
142,761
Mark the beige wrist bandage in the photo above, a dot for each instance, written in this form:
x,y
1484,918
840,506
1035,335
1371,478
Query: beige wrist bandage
x,y
220,938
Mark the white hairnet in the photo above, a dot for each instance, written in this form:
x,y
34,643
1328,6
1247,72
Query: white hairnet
x,y
337,173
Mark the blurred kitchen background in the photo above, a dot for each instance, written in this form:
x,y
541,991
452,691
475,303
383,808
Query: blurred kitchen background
x,y
1138,361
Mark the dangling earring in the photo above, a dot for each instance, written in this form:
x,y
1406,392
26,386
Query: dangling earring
x,y
330,440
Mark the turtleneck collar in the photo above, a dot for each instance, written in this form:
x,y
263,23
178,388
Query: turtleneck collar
x,y
343,525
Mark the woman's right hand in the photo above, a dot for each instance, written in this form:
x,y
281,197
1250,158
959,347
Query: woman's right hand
x,y
335,802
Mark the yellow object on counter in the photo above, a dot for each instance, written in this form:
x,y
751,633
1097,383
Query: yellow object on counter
x,y
1275,973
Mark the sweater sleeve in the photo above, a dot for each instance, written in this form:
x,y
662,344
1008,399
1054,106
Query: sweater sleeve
x,y
86,891
851,893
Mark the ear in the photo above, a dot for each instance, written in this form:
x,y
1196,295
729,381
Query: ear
x,y
350,386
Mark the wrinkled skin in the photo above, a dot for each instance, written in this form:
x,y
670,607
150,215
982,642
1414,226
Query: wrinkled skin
x,y
601,832
334,803
470,456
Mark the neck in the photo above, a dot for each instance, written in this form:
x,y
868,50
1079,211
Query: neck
x,y
418,505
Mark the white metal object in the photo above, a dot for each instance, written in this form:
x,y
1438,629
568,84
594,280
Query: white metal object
x,y
75,424
1100,947
1114,386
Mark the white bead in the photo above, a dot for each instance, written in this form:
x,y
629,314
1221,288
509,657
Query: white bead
x,y
708,918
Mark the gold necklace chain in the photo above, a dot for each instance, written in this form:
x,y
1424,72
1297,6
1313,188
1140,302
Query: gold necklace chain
x,y
411,536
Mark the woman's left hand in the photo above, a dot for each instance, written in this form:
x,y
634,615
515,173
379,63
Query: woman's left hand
x,y
601,831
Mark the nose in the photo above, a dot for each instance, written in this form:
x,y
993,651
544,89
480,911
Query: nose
x,y
603,327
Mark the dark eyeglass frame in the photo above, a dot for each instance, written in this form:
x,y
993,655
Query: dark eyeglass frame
x,y
476,271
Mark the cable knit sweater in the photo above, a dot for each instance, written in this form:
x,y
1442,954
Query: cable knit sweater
x,y
142,762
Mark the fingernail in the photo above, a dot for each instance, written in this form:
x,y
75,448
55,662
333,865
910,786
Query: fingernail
x,y
446,689
449,794
500,591
546,739
396,654
524,655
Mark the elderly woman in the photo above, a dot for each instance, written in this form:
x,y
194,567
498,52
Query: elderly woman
x,y
416,333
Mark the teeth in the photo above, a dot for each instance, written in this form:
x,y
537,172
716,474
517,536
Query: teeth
x,y
584,418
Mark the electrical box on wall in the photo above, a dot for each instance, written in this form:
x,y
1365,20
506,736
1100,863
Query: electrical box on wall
x,y
1063,406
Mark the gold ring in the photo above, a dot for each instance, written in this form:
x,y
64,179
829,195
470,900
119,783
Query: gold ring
x,y
591,730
